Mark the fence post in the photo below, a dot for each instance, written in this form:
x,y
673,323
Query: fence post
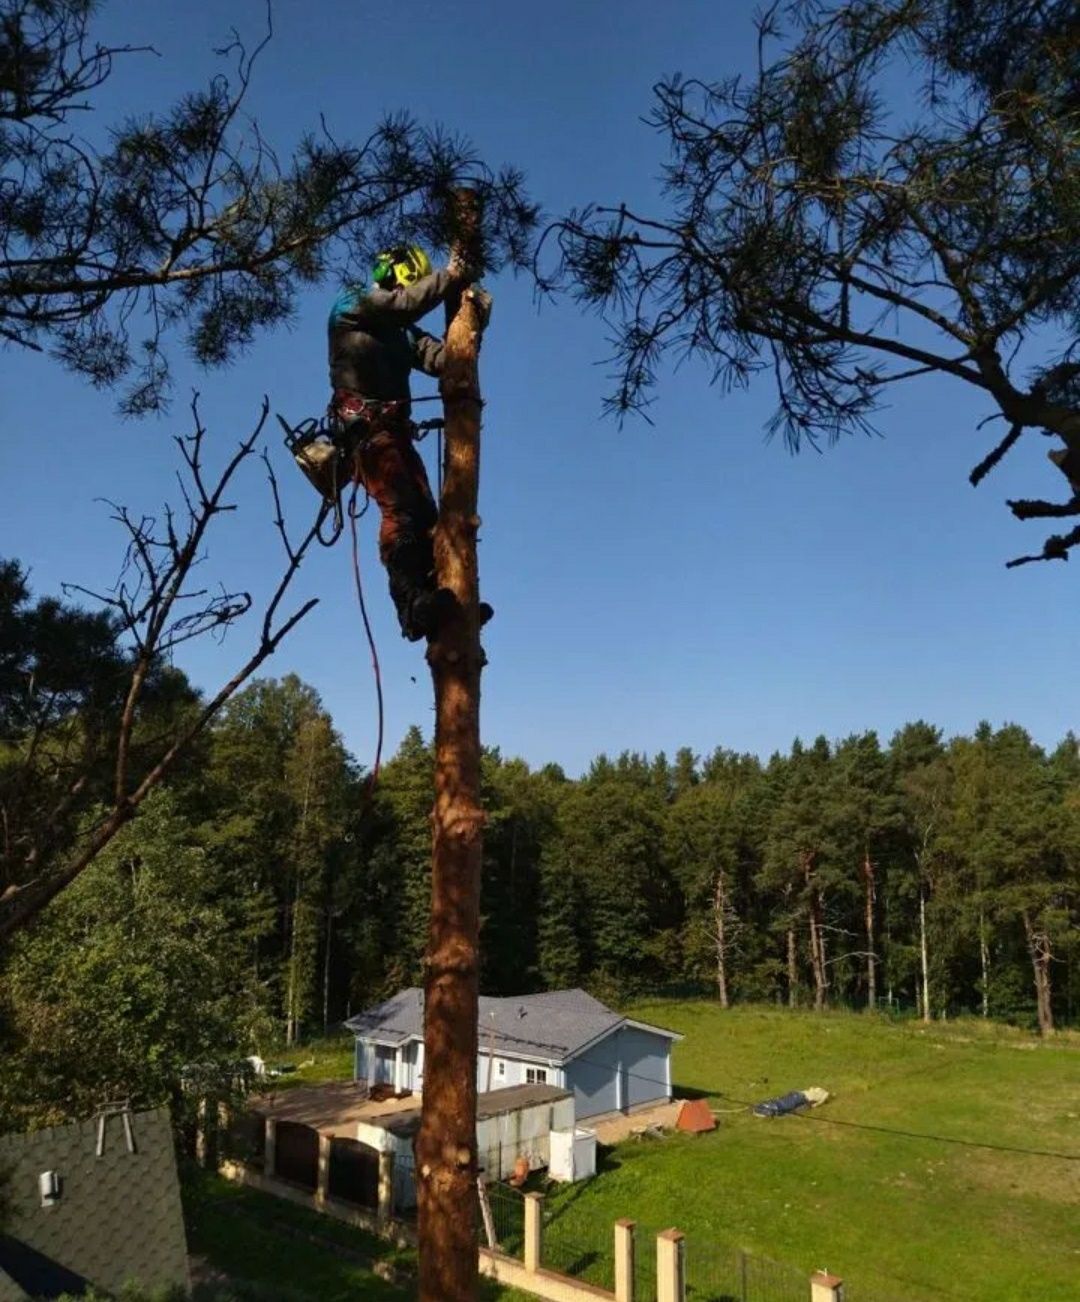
x,y
322,1180
270,1148
386,1186
624,1261
670,1266
534,1231
826,1288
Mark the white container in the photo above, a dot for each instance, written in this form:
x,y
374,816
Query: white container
x,y
573,1154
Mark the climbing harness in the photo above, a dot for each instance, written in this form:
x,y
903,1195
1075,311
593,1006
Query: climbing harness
x,y
324,448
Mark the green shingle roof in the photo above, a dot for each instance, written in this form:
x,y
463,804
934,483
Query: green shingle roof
x,y
118,1216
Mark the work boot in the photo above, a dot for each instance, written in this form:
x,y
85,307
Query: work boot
x,y
428,611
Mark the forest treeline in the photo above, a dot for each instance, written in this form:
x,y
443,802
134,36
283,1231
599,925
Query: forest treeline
x,y
265,892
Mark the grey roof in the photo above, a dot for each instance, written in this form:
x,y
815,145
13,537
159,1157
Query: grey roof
x,y
493,1103
118,1216
552,1026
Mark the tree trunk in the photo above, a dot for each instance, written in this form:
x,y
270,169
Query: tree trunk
x,y
326,973
446,1145
814,912
792,970
291,1028
984,962
720,907
1040,949
871,956
923,954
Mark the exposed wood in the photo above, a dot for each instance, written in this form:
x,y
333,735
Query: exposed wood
x,y
446,1145
871,955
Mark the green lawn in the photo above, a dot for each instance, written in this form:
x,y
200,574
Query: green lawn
x,y
898,1217
256,1248
901,1218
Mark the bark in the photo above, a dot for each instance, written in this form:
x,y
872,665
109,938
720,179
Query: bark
x,y
815,918
984,963
1041,951
326,973
291,1020
720,908
792,970
871,955
446,1145
923,955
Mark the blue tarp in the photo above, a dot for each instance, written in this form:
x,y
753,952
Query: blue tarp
x,y
780,1107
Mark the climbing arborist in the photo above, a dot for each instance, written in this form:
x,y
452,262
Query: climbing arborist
x,y
374,345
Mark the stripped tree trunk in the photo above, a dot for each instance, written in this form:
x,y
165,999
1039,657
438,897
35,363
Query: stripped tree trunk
x,y
446,1145
924,959
326,971
871,956
291,1020
720,910
792,969
1041,952
814,912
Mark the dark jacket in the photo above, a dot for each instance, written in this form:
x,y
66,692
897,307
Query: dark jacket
x,y
374,342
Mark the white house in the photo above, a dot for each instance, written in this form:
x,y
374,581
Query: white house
x,y
564,1038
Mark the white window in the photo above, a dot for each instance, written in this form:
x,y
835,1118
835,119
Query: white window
x,y
535,1075
500,1067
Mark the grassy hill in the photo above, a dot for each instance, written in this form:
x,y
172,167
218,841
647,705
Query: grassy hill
x,y
897,1211
869,1186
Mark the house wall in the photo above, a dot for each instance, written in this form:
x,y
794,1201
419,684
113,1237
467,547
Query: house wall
x,y
507,1071
644,1066
594,1078
623,1071
412,1065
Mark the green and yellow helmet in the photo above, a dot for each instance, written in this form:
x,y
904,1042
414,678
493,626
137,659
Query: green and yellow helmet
x,y
404,264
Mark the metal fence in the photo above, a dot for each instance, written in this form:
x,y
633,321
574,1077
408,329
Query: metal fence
x,y
507,1219
297,1156
579,1248
354,1173
715,1273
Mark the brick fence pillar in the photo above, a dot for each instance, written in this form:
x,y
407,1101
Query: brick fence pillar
x,y
270,1150
624,1261
534,1231
670,1266
322,1181
386,1186
826,1288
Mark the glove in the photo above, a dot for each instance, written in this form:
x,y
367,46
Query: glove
x,y
483,301
458,269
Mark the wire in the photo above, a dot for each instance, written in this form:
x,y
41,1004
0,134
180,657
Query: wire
x,y
803,1116
354,516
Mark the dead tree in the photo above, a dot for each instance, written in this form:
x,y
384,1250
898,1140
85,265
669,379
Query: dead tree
x,y
446,1146
158,606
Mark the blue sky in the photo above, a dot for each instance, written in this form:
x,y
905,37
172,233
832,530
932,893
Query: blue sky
x,y
684,583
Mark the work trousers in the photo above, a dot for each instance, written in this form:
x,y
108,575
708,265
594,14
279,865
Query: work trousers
x,y
390,470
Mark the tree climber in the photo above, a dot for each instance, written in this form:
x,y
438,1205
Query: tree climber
x,y
374,344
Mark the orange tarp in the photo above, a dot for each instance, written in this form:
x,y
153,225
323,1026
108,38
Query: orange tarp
x,y
694,1116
